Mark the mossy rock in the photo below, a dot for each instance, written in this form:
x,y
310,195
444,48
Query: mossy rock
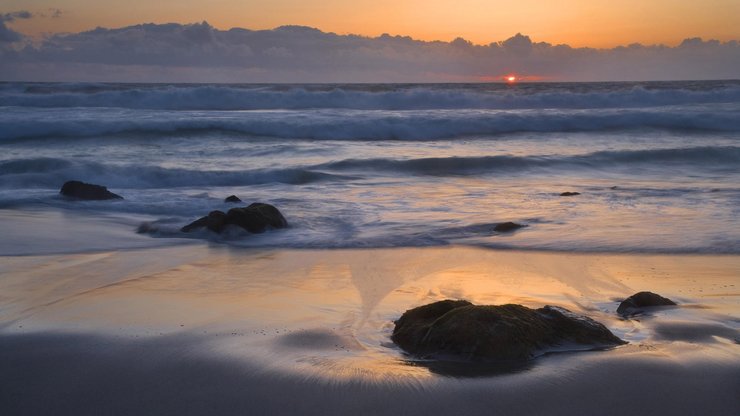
x,y
460,330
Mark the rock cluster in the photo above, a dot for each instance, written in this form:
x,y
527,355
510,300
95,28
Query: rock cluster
x,y
255,218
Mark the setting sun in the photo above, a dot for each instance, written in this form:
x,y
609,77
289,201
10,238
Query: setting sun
x,y
511,78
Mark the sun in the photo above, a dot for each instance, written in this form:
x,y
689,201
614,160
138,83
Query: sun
x,y
511,79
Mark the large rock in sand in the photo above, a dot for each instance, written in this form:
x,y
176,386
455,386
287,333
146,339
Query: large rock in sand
x,y
88,191
461,330
255,218
639,301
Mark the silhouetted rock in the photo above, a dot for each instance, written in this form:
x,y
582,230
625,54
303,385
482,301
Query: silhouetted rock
x,y
232,198
570,193
255,218
461,330
81,190
506,227
637,302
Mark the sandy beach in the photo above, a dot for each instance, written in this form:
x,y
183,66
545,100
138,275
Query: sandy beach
x,y
214,329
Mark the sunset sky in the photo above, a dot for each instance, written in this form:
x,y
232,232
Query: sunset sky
x,y
346,41
593,23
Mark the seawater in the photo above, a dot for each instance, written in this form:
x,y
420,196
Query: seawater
x,y
657,164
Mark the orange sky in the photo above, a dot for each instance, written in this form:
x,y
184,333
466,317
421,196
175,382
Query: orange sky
x,y
596,23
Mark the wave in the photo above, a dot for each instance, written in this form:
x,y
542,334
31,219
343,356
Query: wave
x,y
367,97
18,123
52,172
727,157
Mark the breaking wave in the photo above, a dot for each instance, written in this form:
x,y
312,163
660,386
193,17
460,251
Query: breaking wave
x,y
48,172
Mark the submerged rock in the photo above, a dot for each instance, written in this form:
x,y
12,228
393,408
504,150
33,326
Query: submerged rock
x,y
232,198
570,193
506,227
459,329
87,191
637,302
255,218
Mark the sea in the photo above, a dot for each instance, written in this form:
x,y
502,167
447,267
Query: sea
x,y
656,164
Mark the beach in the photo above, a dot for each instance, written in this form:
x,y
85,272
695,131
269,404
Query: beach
x,y
393,196
195,329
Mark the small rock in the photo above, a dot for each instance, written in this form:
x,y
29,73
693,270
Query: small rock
x,y
634,304
459,329
87,191
506,227
232,198
570,193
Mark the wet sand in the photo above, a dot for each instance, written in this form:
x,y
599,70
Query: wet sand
x,y
197,329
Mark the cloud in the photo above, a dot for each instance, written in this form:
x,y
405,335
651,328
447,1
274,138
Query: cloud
x,y
201,53
9,17
8,35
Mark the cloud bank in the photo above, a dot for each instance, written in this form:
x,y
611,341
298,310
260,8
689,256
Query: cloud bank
x,y
202,53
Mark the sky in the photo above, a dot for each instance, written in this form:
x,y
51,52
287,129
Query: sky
x,y
431,40
592,23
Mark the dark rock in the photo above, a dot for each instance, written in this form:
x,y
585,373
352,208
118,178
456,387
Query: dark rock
x,y
216,221
232,198
461,330
506,227
255,218
81,190
570,193
636,303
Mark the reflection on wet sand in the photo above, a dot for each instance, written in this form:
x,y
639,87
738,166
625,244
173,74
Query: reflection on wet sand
x,y
332,312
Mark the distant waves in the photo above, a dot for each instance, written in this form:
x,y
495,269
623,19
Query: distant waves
x,y
17,123
368,97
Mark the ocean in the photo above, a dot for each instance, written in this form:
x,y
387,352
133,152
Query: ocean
x,y
392,194
657,164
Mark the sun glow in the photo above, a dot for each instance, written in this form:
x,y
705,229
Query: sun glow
x,y
511,79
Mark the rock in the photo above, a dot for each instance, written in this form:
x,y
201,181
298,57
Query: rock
x,y
570,193
506,227
637,302
461,330
255,218
81,190
232,198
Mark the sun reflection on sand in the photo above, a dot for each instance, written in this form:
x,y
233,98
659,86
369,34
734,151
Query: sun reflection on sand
x,y
329,313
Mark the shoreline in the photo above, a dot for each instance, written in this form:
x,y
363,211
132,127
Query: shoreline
x,y
96,232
